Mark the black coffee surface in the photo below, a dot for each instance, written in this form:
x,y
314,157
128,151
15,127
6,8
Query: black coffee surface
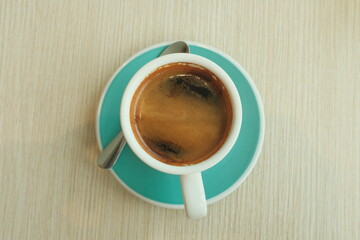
x,y
181,114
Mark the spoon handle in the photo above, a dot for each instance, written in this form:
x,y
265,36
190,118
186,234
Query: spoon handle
x,y
108,156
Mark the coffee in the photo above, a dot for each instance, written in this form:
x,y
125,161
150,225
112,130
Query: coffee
x,y
181,114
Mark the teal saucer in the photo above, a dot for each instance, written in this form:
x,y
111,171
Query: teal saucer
x,y
164,189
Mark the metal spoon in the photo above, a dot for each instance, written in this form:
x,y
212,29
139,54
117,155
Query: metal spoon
x,y
111,153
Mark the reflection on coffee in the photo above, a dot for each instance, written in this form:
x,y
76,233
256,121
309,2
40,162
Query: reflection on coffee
x,y
181,114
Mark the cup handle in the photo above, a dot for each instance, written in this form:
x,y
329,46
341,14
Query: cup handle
x,y
193,195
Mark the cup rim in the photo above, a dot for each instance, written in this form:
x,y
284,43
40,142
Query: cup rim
x,y
134,84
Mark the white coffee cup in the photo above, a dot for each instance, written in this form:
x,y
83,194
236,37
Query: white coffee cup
x,y
190,176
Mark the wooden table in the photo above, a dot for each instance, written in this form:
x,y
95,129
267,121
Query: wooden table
x,y
56,57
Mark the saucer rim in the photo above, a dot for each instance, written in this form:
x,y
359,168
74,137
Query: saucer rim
x,y
255,157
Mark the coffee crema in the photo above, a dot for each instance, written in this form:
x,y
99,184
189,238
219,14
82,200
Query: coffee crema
x,y
181,114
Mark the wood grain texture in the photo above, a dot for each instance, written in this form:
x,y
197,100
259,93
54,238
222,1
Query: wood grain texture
x,y
56,57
